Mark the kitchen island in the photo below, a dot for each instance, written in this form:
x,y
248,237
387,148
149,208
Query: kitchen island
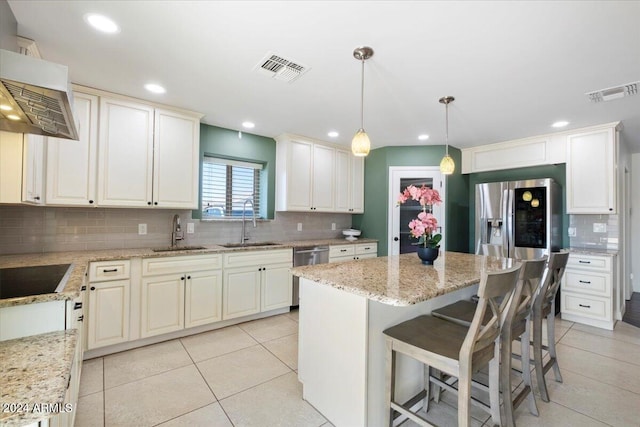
x,y
345,307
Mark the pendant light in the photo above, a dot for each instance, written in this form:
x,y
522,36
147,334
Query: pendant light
x,y
447,165
360,144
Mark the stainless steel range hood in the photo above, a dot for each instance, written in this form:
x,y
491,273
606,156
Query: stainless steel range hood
x,y
35,96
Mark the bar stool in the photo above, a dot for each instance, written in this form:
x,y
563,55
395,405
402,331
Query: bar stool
x,y
454,349
462,312
544,307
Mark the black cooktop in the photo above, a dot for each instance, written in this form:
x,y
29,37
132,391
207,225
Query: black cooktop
x,y
37,280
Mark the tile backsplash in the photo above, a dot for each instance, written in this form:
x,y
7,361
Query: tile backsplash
x,y
594,231
27,229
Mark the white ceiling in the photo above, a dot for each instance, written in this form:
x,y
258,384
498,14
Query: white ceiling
x,y
514,67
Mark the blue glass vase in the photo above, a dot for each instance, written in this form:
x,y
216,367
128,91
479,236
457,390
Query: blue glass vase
x,y
428,255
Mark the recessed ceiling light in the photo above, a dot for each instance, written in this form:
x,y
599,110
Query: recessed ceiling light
x,y
13,117
333,134
101,23
152,87
560,124
423,137
5,107
248,125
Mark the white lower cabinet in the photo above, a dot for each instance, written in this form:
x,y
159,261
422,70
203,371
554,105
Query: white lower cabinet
x,y
179,292
256,281
203,298
108,313
162,304
588,290
109,303
339,253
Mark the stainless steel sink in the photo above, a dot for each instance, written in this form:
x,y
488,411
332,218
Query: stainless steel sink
x,y
249,245
178,248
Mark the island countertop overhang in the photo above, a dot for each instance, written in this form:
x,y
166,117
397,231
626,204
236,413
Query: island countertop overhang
x,y
402,280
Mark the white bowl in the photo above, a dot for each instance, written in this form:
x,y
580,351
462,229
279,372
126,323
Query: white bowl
x,y
351,234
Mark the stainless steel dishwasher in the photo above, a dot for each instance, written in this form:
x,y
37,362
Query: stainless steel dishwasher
x,y
307,255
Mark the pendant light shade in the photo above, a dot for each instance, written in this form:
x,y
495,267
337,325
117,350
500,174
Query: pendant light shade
x,y
360,144
447,165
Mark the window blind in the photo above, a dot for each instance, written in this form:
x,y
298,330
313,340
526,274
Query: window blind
x,y
226,185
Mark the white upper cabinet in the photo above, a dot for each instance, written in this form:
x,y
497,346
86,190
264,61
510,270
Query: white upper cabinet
x,y
125,168
147,156
343,168
356,185
591,172
10,167
317,177
323,178
294,163
349,183
71,165
176,160
33,169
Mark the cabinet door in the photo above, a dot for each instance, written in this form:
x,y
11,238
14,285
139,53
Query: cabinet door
x,y
277,287
323,178
176,160
162,304
591,173
10,167
125,167
108,313
241,292
357,185
203,298
342,196
299,161
33,169
71,165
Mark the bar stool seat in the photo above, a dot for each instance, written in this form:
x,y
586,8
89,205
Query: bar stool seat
x,y
454,349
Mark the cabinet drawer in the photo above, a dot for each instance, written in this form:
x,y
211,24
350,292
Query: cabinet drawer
x,y
258,257
109,270
591,283
591,262
342,250
588,306
366,248
180,264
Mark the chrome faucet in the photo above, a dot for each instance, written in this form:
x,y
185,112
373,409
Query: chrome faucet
x,y
244,237
176,231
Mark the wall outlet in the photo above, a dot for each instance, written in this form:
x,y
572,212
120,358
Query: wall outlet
x,y
142,229
190,228
333,225
572,232
299,226
599,227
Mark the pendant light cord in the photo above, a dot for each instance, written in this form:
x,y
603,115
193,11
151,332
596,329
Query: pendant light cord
x,y
446,133
362,97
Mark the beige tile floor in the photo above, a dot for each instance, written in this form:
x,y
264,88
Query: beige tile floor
x,y
246,375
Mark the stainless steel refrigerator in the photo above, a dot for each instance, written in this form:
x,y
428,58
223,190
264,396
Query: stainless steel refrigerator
x,y
520,219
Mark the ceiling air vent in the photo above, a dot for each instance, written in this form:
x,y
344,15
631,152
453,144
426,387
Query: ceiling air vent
x,y
280,68
612,93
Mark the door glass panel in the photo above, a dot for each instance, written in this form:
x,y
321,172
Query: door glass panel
x,y
530,209
409,210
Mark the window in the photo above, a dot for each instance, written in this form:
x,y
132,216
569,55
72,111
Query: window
x,y
227,185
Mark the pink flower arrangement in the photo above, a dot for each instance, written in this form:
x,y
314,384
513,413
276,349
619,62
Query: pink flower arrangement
x,y
422,228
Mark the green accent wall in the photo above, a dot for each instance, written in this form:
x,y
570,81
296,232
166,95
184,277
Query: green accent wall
x,y
225,143
557,172
373,222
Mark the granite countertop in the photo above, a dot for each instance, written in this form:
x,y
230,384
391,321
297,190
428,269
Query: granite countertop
x,y
403,280
593,251
81,260
34,373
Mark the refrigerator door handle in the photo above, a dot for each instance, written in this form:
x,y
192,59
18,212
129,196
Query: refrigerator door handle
x,y
508,217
